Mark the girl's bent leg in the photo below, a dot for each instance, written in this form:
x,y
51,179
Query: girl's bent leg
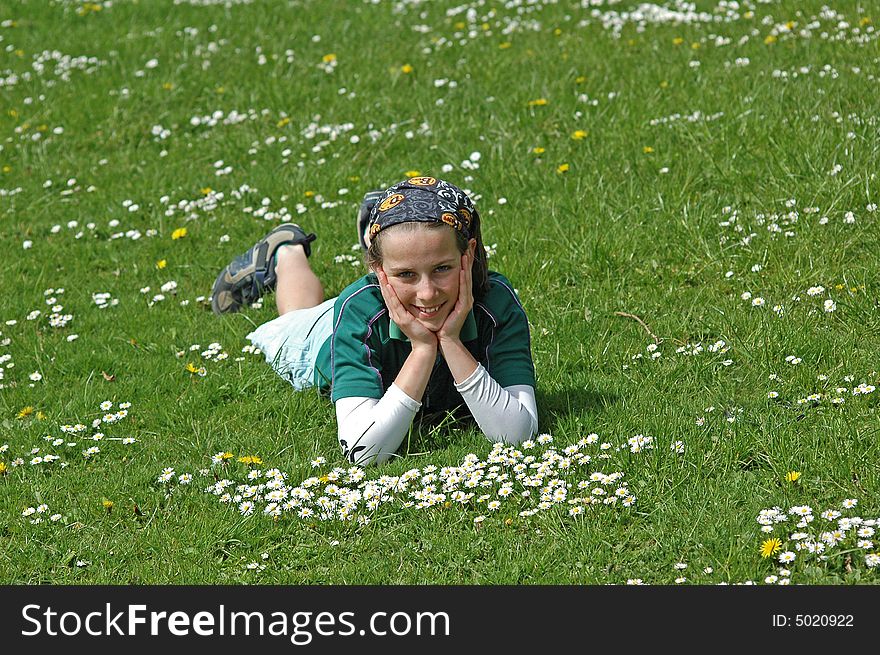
x,y
297,287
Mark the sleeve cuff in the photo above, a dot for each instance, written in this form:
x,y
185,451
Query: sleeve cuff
x,y
472,380
396,393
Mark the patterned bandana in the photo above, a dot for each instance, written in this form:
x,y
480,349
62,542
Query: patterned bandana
x,y
424,200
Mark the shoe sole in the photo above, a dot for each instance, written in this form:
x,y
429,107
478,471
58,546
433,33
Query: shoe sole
x,y
223,296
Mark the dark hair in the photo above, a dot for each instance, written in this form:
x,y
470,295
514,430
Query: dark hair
x,y
480,271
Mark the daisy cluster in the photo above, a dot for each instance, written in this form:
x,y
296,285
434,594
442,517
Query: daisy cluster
x,y
799,537
85,440
54,317
39,514
654,351
829,305
166,289
694,117
110,233
213,353
835,395
522,481
52,66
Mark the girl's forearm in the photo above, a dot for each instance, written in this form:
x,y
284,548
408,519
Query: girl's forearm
x,y
416,370
459,360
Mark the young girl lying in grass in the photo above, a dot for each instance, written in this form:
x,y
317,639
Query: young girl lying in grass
x,y
430,328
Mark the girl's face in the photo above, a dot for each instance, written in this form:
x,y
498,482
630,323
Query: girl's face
x,y
423,267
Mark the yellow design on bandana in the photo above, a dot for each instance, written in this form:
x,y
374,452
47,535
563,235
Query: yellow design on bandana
x,y
451,220
423,181
391,201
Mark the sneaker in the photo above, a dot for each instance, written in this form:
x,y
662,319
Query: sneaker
x,y
250,275
363,220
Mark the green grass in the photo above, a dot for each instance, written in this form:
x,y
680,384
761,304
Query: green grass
x,y
633,227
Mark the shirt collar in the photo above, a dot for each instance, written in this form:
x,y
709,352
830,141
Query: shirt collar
x,y
468,330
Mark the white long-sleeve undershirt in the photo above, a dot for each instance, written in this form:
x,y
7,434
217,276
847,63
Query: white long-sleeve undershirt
x,y
372,430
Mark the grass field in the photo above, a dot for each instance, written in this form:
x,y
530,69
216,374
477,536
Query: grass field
x,y
685,198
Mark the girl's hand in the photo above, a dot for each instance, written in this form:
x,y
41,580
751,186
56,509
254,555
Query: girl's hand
x,y
413,328
451,328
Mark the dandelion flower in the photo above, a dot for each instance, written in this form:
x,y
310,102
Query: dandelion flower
x,y
792,476
179,233
770,547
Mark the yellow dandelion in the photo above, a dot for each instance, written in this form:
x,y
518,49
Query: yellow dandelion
x,y
770,39
41,416
324,478
2,468
412,174
647,150
538,150
284,121
677,40
508,521
580,79
562,168
406,69
220,89
24,412
179,233
7,168
866,20
309,194
192,368
460,25
226,456
505,45
695,46
167,86
206,191
538,102
557,32
579,135
108,505
330,56
664,84
793,476
770,547
250,459
162,263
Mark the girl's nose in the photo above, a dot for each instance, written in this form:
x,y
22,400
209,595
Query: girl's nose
x,y
427,290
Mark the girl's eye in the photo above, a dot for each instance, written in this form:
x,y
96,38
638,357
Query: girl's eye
x,y
405,274
444,268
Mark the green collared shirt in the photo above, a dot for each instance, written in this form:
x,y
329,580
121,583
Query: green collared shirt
x,y
366,351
